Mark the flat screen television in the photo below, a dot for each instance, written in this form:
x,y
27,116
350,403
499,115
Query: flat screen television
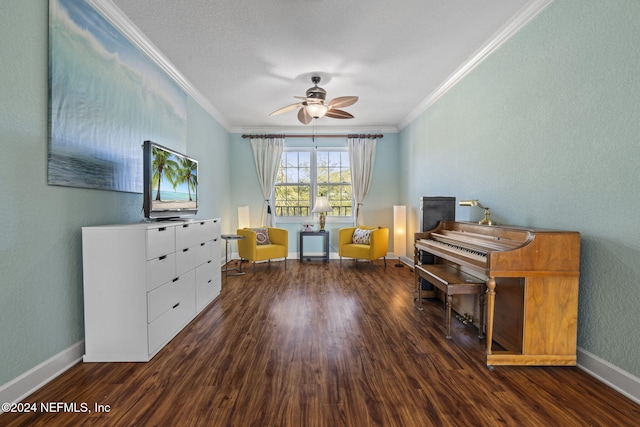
x,y
170,183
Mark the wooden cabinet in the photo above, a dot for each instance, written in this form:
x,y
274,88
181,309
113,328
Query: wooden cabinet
x,y
143,283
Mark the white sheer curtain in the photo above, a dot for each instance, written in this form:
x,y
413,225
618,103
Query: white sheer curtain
x,y
362,153
267,153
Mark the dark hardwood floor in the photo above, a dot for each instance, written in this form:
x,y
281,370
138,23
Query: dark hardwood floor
x,y
320,345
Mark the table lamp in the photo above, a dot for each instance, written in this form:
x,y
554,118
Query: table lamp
x,y
322,207
487,212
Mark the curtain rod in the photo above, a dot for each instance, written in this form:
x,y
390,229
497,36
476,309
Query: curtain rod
x,y
368,136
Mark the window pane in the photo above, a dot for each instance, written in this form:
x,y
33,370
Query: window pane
x,y
305,175
334,158
304,158
345,175
292,159
334,174
323,158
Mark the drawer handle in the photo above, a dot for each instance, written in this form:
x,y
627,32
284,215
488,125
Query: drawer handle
x,y
185,250
162,257
176,305
215,240
176,279
185,225
202,223
209,262
162,229
202,244
210,281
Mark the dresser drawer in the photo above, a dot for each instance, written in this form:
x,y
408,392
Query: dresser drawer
x,y
208,284
207,293
161,270
170,322
204,253
215,229
193,233
170,295
206,272
189,258
160,241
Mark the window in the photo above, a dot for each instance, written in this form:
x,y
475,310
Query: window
x,y
303,174
334,180
293,184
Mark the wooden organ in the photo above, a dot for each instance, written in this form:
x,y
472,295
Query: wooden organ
x,y
531,278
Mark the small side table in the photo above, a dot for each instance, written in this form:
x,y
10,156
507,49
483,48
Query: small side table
x,y
228,238
324,234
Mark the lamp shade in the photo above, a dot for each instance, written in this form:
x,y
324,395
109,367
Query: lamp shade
x,y
400,231
243,216
322,204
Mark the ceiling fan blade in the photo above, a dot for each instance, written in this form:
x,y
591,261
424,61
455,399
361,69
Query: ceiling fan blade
x,y
287,108
338,114
304,117
342,101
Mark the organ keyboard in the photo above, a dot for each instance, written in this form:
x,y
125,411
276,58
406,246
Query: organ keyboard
x,y
531,278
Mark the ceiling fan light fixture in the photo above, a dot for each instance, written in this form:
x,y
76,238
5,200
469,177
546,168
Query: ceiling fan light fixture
x,y
312,105
316,110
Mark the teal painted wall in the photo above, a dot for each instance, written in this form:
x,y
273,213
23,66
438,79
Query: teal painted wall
x,y
209,142
545,132
40,231
378,207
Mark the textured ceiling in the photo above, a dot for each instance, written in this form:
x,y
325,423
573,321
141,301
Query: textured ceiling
x,y
250,57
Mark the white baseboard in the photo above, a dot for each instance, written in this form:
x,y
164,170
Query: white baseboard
x,y
22,386
611,375
407,261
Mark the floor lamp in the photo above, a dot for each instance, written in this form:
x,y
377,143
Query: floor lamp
x,y
243,217
399,232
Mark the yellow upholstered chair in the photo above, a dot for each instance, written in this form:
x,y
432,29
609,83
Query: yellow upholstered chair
x,y
363,242
261,244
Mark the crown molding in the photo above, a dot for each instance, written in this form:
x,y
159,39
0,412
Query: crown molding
x,y
128,29
528,13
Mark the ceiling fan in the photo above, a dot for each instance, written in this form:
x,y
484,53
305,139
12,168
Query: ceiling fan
x,y
313,106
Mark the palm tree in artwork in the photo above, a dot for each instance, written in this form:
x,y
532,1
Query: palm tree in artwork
x,y
187,173
162,165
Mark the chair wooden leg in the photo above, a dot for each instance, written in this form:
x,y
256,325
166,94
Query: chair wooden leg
x,y
385,261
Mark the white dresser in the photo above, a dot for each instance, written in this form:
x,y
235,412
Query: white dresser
x,y
143,283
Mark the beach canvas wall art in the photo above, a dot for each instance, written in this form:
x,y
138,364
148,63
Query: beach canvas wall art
x,y
106,98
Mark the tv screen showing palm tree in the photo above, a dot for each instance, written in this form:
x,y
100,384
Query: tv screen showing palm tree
x,y
172,180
